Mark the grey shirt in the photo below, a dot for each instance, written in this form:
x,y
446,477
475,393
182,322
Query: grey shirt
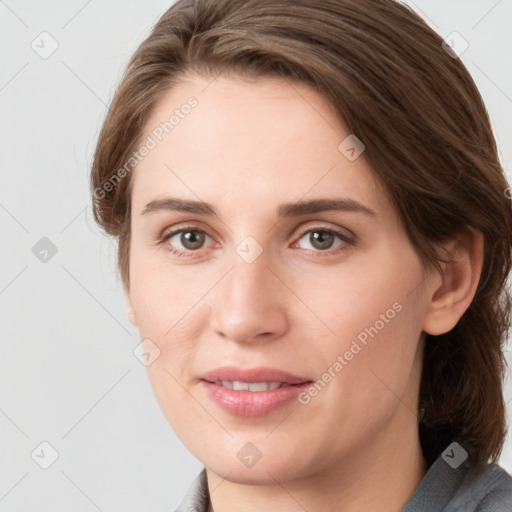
x,y
443,488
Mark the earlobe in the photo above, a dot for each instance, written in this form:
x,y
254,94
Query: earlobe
x,y
131,316
131,313
448,301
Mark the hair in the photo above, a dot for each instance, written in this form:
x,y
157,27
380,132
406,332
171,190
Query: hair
x,y
427,136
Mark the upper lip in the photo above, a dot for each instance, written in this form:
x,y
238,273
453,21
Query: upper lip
x,y
259,374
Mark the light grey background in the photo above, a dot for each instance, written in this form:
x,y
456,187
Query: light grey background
x,y
68,375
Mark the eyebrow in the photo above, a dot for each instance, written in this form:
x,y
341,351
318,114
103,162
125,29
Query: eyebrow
x,y
284,210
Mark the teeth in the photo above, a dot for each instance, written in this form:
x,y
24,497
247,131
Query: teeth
x,y
263,386
249,386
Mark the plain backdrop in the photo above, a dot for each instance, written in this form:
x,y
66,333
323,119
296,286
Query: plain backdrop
x,y
69,378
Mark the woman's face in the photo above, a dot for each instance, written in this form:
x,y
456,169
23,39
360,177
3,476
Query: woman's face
x,y
334,297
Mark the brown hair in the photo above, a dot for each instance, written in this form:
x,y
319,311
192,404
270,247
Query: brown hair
x,y
427,136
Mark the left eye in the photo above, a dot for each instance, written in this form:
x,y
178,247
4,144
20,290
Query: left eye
x,y
323,239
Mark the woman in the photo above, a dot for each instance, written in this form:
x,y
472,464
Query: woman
x,y
314,236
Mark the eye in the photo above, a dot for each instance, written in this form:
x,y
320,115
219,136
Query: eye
x,y
191,239
322,239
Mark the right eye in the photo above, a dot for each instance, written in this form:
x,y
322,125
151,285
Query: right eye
x,y
190,238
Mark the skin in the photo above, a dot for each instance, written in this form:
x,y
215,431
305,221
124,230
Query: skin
x,y
247,147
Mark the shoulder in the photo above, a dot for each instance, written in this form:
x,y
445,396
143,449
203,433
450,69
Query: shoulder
x,y
461,488
489,490
495,490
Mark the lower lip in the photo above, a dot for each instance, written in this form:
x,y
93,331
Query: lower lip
x,y
252,403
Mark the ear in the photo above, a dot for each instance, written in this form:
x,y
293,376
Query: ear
x,y
451,293
131,313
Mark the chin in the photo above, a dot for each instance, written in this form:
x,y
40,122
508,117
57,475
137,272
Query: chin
x,y
265,471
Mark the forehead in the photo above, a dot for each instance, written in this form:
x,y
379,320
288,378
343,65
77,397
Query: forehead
x,y
257,141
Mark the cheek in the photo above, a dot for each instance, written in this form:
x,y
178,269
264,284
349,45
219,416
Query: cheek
x,y
366,300
174,323
374,319
167,306
163,297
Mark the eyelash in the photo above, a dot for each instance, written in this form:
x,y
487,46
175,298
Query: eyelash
x,y
188,254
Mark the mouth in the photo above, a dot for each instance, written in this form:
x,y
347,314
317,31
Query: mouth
x,y
252,392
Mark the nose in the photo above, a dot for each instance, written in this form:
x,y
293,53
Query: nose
x,y
250,303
